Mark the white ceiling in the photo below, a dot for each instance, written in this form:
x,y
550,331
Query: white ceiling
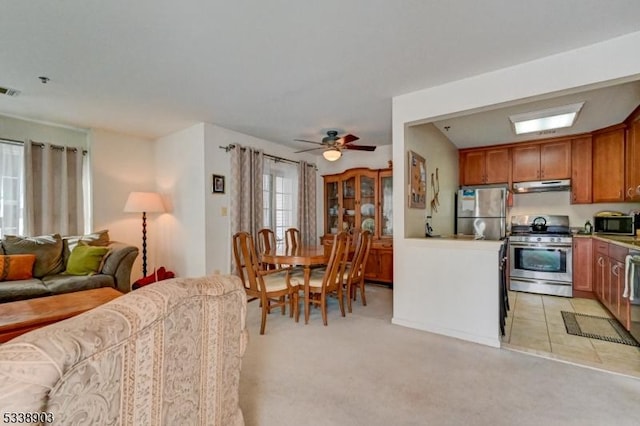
x,y
278,69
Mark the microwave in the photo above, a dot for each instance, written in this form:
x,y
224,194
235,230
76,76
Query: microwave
x,y
620,225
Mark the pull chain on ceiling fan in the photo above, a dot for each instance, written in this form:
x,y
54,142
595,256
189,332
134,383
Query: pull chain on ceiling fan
x,y
333,145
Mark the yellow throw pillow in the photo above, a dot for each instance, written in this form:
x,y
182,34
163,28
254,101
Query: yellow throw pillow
x,y
16,267
85,260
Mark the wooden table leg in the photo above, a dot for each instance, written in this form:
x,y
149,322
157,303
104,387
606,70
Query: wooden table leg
x,y
307,276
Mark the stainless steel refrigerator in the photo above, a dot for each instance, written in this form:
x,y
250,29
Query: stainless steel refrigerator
x,y
482,213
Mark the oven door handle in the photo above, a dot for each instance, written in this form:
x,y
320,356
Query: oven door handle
x,y
541,245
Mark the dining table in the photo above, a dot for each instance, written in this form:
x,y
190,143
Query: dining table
x,y
304,256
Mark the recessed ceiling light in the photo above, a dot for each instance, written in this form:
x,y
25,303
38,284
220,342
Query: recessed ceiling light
x,y
552,118
9,91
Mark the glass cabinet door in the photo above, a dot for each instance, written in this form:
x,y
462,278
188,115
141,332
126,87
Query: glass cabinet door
x,y
332,206
349,204
367,206
386,195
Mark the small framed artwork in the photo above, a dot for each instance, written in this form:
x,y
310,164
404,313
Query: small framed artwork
x,y
217,186
417,181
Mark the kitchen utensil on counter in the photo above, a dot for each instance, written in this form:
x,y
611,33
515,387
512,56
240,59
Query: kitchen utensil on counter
x,y
539,224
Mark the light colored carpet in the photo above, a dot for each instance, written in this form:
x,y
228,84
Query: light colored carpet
x,y
362,370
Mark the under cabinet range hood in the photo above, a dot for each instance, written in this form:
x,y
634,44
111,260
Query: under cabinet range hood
x,y
542,186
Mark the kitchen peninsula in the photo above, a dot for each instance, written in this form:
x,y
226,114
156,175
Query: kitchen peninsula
x,y
456,281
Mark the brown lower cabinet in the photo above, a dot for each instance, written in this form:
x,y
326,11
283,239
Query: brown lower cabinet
x,y
582,261
380,262
608,273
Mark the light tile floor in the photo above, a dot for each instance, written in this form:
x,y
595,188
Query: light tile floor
x,y
534,325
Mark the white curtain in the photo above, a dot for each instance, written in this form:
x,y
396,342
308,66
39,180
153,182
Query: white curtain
x,y
246,190
54,196
307,221
11,188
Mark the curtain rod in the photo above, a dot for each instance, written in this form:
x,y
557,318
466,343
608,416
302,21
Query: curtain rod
x,y
273,157
42,145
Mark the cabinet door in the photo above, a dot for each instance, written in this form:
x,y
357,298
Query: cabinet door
x,y
386,206
526,163
600,268
366,217
582,264
473,167
349,196
632,188
372,268
497,165
616,287
581,170
608,166
385,257
555,160
332,206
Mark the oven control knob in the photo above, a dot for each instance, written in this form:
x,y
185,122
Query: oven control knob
x,y
539,239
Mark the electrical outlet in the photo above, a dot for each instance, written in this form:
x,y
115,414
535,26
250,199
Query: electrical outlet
x,y
223,211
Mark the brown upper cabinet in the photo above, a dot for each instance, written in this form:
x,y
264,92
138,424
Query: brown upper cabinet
x,y
581,170
609,165
484,166
632,187
542,161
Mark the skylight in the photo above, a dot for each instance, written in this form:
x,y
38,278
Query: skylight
x,y
548,119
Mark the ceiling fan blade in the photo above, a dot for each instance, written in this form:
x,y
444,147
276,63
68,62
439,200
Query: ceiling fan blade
x,y
303,140
306,150
360,147
349,138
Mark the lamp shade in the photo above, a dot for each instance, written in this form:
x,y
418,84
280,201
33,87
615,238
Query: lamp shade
x,y
332,154
149,202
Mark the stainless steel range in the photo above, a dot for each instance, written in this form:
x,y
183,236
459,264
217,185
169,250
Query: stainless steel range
x,y
540,259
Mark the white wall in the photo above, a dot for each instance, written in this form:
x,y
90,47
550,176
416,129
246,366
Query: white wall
x,y
439,153
121,164
196,234
19,129
596,64
559,203
180,178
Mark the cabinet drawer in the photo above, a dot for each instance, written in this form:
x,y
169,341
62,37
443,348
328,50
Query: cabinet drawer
x,y
600,247
618,253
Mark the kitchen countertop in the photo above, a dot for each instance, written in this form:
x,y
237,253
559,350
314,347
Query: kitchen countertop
x,y
628,241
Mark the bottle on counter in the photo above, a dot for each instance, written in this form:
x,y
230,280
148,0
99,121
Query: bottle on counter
x,y
587,227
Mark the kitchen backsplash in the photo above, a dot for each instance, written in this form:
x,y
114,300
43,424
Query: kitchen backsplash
x,y
558,203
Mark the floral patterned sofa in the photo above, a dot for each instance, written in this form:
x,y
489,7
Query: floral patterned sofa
x,y
169,353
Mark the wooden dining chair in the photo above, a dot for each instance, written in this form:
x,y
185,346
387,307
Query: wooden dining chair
x,y
292,239
327,281
273,288
354,272
267,243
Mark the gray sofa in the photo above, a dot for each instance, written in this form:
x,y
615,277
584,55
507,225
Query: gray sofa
x,y
52,255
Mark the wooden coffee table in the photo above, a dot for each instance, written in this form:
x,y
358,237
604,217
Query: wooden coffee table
x,y
17,318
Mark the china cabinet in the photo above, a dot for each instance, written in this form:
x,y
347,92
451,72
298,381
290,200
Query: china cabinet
x,y
361,198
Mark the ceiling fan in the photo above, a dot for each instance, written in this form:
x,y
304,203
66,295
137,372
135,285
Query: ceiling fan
x,y
333,145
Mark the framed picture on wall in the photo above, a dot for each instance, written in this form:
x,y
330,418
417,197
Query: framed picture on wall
x,y
417,181
217,186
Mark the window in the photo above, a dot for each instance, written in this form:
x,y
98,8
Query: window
x,y
11,188
280,197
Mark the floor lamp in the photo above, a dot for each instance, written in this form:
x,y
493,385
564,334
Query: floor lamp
x,y
144,202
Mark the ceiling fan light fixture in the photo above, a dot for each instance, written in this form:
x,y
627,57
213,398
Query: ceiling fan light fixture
x,y
332,154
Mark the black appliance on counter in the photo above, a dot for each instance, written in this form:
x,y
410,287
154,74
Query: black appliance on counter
x,y
540,255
